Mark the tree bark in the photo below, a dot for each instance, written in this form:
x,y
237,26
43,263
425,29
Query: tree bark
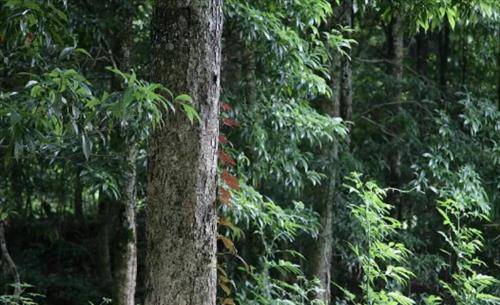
x,y
396,53
126,267
8,260
345,66
498,76
16,184
103,241
464,55
125,274
181,215
78,202
444,53
339,105
422,53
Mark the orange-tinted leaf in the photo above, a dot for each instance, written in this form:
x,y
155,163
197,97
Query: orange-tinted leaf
x,y
222,271
228,244
227,159
230,122
230,180
224,196
226,288
226,223
228,301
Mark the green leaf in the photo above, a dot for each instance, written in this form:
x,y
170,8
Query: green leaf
x,y
191,113
184,98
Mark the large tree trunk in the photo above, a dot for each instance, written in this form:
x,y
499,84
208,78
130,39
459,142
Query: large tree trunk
x,y
181,215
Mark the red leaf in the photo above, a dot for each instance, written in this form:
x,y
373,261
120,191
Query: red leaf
x,y
223,139
224,196
230,180
226,107
227,159
29,38
230,122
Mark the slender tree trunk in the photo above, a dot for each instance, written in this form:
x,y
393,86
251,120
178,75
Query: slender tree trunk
x,y
396,53
8,260
16,184
234,66
103,240
464,55
322,260
346,69
422,53
126,267
78,202
126,259
498,74
181,215
339,105
444,53
61,205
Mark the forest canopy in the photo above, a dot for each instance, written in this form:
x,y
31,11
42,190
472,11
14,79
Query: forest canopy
x,y
264,152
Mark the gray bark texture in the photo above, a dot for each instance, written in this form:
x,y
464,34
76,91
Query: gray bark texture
x,y
126,259
181,215
339,105
345,66
396,53
126,269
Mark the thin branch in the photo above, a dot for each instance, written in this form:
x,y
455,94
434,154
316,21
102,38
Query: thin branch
x,y
8,259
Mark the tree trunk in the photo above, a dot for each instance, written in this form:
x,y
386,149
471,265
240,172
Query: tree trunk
x,y
181,215
125,274
422,53
16,184
464,55
498,77
126,263
8,260
322,260
78,202
346,70
103,240
340,104
444,53
396,53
